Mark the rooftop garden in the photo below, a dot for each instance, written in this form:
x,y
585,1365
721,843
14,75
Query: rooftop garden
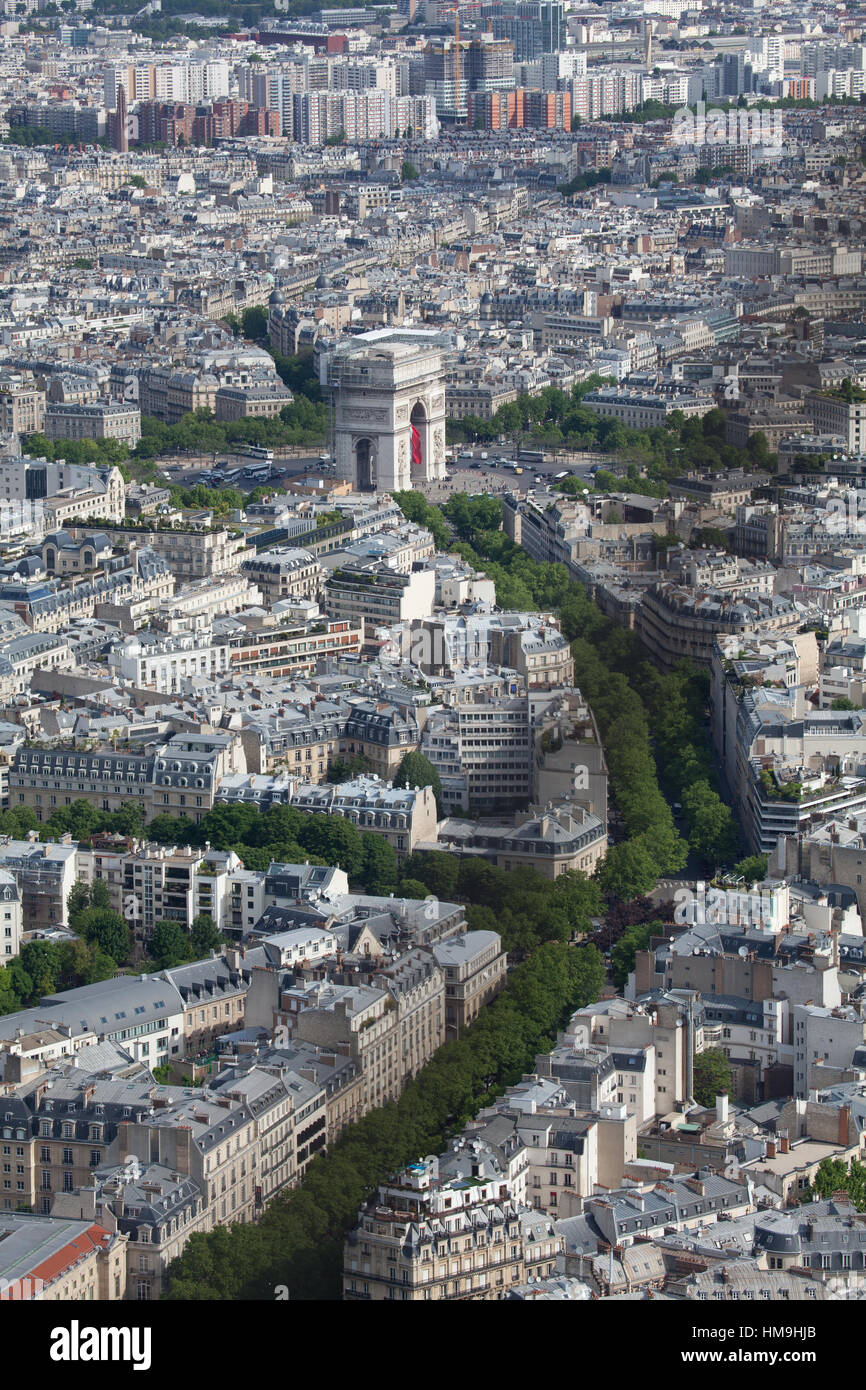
x,y
849,392
780,791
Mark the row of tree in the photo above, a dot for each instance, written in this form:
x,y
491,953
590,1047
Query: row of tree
x,y
299,1241
834,1176
522,906
647,721
651,724
652,457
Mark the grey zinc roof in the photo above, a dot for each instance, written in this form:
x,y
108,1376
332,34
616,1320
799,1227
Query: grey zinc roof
x,y
459,950
116,1004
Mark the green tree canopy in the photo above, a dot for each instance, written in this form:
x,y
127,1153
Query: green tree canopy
x,y
203,936
170,944
100,894
622,956
628,871
41,961
107,929
379,867
753,869
300,1237
417,771
78,899
712,1072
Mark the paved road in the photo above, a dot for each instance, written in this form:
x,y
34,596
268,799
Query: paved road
x,y
486,478
187,473
491,479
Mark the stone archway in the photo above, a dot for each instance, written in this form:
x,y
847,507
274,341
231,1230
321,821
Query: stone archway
x,y
365,466
419,423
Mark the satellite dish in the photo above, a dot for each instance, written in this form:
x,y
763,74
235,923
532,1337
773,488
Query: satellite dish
x,y
743,951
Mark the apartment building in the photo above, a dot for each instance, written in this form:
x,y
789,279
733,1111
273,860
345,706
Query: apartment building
x,y
674,621
446,1228
559,839
529,643
563,1159
587,1073
404,816
257,400
62,556
338,1076
11,917
281,574
832,414
59,1128
482,753
154,1209
22,409
369,592
35,480
293,650
144,1013
834,852
201,602
544,529
136,873
383,732
302,741
191,554
242,1139
362,1022
623,1218
753,1034
177,777
793,773
569,762
628,1029
169,664
557,331
474,966
59,1260
479,399
824,1037
416,982
723,491
169,393
100,420
132,584
642,411
159,885
43,874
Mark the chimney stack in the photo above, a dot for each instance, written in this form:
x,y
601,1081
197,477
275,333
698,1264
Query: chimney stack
x,y
844,1118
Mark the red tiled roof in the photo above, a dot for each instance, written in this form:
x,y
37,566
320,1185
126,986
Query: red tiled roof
x,y
94,1238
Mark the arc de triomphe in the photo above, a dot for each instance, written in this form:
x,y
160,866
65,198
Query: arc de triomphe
x,y
389,410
